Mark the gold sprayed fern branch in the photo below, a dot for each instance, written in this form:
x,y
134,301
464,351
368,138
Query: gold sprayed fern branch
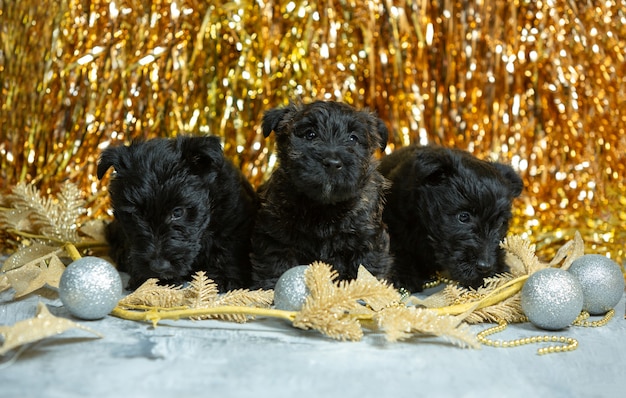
x,y
52,217
336,309
196,301
151,294
203,293
401,323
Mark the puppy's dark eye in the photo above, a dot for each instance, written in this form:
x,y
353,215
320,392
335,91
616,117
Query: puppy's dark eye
x,y
177,213
464,217
310,135
354,138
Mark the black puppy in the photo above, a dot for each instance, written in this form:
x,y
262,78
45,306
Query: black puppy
x,y
447,213
180,207
324,201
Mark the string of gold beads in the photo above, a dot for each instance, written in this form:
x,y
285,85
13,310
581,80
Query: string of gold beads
x,y
581,319
404,294
568,343
432,283
438,280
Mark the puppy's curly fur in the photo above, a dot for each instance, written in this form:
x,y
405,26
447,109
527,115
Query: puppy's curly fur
x,y
447,213
180,207
324,201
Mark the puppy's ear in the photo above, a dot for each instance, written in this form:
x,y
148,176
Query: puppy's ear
x,y
273,118
433,166
383,132
110,157
202,154
516,185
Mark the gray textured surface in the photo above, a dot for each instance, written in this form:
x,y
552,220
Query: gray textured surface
x,y
271,359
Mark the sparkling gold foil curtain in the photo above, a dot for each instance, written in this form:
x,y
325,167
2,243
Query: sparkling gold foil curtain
x,y
538,84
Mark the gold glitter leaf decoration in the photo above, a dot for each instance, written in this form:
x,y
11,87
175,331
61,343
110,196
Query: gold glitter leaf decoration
x,y
4,283
43,325
569,252
26,254
46,270
11,218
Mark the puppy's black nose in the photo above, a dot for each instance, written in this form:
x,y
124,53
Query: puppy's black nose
x,y
332,163
160,265
483,266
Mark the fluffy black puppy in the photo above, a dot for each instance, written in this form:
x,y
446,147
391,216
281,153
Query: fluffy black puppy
x,y
447,213
324,201
180,207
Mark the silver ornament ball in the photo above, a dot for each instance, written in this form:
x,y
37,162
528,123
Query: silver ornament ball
x,y
90,288
602,281
552,298
291,291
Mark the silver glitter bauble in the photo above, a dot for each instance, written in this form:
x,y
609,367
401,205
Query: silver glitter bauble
x,y
602,281
90,288
291,291
552,298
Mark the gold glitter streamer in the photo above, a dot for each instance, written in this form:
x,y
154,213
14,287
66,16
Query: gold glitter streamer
x,y
539,84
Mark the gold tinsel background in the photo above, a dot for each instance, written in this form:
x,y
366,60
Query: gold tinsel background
x,y
540,84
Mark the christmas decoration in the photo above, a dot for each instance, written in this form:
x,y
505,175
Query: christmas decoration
x,y
291,291
336,309
35,274
201,294
53,217
552,298
41,326
41,224
90,288
602,282
567,343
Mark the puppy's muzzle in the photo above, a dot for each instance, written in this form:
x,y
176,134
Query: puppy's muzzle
x,y
332,163
483,266
160,265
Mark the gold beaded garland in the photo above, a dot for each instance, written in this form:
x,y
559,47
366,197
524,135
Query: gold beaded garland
x,y
568,343
437,280
430,284
581,320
